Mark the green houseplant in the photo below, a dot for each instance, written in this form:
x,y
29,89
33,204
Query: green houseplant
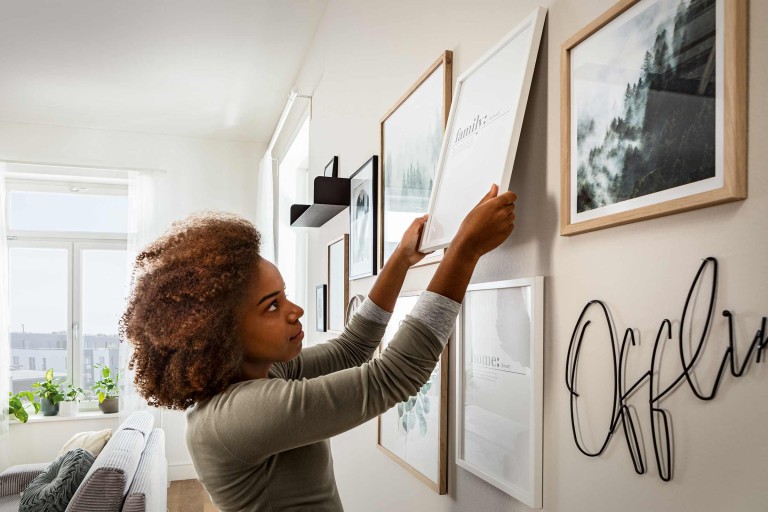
x,y
106,389
50,393
18,408
71,399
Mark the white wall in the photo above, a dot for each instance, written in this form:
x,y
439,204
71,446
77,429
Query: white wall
x,y
200,174
365,55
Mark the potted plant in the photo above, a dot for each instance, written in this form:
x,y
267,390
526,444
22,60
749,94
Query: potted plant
x,y
71,400
106,390
50,393
18,408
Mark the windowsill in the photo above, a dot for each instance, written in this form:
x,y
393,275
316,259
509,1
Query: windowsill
x,y
80,416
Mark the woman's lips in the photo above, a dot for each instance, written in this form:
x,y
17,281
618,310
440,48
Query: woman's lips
x,y
298,338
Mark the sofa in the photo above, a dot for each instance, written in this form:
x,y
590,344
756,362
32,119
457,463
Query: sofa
x,y
129,475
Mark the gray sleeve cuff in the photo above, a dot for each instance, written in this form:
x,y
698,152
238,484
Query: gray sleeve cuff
x,y
438,313
370,311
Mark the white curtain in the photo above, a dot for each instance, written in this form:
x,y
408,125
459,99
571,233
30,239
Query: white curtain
x,y
265,214
5,338
141,200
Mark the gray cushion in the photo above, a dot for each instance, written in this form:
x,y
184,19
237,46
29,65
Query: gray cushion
x,y
52,490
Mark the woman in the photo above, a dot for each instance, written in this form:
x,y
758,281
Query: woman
x,y
215,334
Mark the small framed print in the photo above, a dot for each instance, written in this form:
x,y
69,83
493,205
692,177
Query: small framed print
x,y
499,386
321,312
653,112
338,282
332,168
363,217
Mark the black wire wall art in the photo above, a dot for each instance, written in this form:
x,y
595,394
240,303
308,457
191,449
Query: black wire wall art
x,y
624,415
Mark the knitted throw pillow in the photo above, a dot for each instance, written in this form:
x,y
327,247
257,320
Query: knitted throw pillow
x,y
52,490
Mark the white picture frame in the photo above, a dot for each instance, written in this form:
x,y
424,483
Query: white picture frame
x,y
483,130
338,283
422,447
499,400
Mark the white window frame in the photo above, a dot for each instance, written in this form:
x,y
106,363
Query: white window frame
x,y
74,242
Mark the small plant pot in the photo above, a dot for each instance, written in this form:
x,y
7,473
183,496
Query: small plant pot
x,y
48,408
68,408
110,405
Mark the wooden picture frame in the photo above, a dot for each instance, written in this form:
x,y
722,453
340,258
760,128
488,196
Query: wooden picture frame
x,y
412,112
338,282
432,426
606,190
331,169
499,411
321,309
483,130
363,219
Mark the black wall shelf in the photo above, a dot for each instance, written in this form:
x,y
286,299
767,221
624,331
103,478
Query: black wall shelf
x,y
331,197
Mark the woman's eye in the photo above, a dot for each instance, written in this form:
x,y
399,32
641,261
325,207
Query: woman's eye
x,y
272,306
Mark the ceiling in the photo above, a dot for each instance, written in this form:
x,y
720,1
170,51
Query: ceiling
x,y
198,68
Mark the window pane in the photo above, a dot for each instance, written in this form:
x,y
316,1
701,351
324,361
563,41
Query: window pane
x,y
38,301
104,288
53,211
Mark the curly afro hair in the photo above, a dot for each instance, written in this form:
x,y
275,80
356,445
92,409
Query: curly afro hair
x,y
181,316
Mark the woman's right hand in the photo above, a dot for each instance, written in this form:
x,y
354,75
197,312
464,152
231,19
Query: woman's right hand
x,y
487,225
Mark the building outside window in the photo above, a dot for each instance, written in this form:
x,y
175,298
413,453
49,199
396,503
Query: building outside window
x,y
67,246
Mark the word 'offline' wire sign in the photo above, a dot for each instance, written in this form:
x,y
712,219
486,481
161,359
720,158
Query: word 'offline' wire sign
x,y
660,419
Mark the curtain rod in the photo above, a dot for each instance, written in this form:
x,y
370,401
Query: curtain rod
x,y
291,99
89,167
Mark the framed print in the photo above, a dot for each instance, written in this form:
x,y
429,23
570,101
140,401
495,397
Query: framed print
x,y
653,112
338,282
499,386
483,130
363,203
414,433
411,134
354,304
320,309
332,168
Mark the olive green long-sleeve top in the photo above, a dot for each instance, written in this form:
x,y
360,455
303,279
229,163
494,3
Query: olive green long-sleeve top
x,y
263,444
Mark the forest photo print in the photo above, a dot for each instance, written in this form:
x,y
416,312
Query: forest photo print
x,y
645,100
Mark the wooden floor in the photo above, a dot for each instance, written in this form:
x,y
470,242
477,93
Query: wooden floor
x,y
189,496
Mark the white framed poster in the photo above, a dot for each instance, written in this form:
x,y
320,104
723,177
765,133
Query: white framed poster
x,y
414,433
483,130
499,394
338,282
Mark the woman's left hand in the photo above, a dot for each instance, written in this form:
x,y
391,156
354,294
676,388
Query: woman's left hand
x,y
408,248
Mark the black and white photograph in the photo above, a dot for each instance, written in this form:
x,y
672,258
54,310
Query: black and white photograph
x,y
363,205
320,309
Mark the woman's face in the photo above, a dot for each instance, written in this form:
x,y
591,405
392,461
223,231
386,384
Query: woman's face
x,y
269,329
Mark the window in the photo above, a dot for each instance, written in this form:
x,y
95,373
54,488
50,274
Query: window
x,y
292,243
67,276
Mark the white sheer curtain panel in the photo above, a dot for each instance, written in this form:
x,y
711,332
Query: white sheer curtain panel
x,y
265,214
5,338
141,200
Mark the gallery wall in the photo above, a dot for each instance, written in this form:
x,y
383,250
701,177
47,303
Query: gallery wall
x,y
198,174
364,57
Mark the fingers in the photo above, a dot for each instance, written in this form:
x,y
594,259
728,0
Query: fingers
x,y
490,195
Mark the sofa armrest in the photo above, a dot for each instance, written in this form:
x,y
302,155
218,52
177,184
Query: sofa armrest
x,y
16,478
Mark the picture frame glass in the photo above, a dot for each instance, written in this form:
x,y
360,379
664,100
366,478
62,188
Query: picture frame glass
x,y
320,308
483,130
412,431
411,138
499,411
337,279
362,221
646,108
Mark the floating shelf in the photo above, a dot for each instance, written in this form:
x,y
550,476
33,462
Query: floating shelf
x,y
331,198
